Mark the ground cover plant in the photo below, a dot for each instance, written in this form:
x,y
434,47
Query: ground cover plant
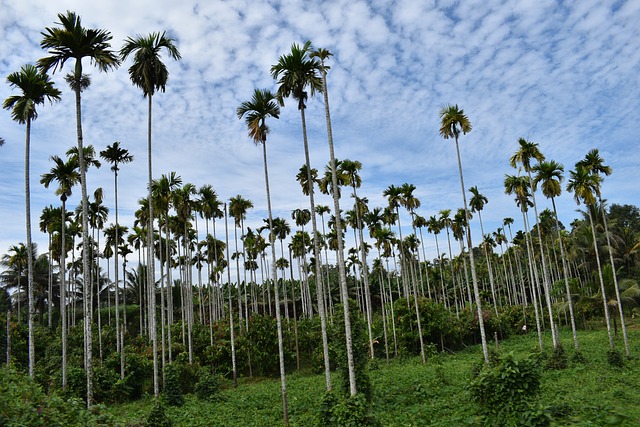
x,y
406,393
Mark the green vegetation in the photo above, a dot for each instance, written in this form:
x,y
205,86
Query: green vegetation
x,y
404,393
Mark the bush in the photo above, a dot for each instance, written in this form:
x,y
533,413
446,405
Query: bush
x,y
558,359
23,402
208,385
615,358
350,412
507,393
172,393
158,417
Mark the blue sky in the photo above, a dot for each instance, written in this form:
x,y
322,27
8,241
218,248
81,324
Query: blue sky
x,y
561,74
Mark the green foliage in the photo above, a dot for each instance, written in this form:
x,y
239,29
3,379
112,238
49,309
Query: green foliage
x,y
615,358
76,383
507,393
158,417
208,385
350,412
360,346
23,402
558,359
172,393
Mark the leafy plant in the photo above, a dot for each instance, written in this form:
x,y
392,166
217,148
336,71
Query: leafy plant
x,y
507,392
158,417
172,393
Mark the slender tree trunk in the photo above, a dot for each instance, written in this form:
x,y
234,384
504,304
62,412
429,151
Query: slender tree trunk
x,y
342,275
532,275
63,293
231,328
565,272
151,273
602,288
615,279
274,278
31,308
474,279
545,272
88,338
316,254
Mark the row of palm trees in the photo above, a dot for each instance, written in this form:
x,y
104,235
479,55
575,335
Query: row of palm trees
x,y
299,74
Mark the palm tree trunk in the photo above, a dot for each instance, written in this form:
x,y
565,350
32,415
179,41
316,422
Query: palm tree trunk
x,y
602,289
316,254
151,281
566,276
533,278
545,273
274,278
474,279
88,338
342,275
31,310
231,328
615,279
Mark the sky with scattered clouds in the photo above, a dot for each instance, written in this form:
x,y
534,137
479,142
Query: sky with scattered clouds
x,y
562,74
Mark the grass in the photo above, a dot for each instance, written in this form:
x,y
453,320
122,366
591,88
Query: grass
x,y
406,393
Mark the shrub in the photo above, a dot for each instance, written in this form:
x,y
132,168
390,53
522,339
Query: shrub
x,y
158,417
615,358
172,393
558,359
507,393
208,385
350,412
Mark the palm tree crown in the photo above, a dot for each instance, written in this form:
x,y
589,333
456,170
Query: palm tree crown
x,y
256,111
148,72
35,86
453,121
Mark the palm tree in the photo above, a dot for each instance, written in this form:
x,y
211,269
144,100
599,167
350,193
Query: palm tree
x,y
454,121
295,72
476,203
238,207
150,74
549,174
116,155
350,169
324,54
66,175
256,112
585,185
527,152
521,188
73,41
594,163
35,88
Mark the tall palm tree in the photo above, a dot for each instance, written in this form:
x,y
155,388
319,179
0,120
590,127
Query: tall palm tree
x,y
476,203
72,41
116,155
323,54
585,185
296,72
528,152
35,88
521,188
238,207
454,121
594,163
262,106
66,174
549,174
150,74
350,170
